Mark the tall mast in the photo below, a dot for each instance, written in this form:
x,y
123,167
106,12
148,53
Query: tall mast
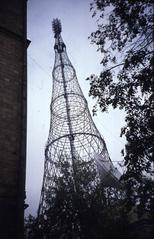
x,y
72,134
60,47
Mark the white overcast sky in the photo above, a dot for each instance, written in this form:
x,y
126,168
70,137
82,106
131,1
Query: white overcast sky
x,y
77,24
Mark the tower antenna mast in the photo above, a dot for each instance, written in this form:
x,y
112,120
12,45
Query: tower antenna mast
x,y
72,134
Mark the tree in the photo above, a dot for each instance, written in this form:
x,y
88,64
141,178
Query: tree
x,y
78,206
124,36
71,211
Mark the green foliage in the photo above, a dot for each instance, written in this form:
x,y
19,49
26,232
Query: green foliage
x,y
124,35
78,206
73,203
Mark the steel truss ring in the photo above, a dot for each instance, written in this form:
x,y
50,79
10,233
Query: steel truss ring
x,y
69,135
72,116
68,80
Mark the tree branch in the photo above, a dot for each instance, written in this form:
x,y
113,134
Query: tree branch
x,y
115,66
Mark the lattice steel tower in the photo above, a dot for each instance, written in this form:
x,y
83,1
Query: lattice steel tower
x,y
72,131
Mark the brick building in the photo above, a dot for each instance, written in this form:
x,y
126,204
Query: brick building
x,y
13,97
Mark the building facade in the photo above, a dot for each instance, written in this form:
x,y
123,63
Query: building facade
x,y
13,98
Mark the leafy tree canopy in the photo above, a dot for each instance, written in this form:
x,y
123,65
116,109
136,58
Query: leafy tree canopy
x,y
124,36
78,206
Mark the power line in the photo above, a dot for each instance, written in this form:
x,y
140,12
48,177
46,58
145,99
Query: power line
x,y
39,65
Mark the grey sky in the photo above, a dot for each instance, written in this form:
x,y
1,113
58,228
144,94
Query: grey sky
x,y
77,24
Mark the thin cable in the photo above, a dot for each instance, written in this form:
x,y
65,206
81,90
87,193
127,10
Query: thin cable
x,y
39,65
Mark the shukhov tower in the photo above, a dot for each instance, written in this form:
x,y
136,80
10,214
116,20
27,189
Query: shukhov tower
x,y
73,134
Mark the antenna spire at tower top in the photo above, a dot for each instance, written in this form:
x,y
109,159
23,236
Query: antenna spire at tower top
x,y
56,26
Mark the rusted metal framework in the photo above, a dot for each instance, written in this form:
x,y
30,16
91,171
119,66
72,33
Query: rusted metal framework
x,y
72,133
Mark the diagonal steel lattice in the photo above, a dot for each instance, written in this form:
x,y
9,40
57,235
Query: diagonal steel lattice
x,y
72,131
